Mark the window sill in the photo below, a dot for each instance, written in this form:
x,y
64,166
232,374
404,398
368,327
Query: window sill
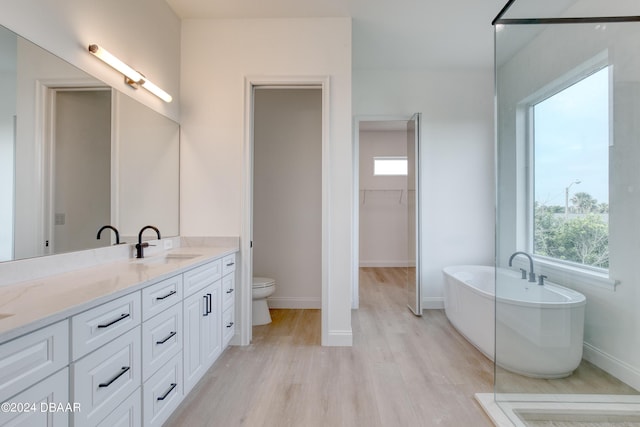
x,y
569,275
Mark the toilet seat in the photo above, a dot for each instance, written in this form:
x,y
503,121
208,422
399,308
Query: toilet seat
x,y
262,282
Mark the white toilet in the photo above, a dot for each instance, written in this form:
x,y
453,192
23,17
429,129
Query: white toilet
x,y
262,288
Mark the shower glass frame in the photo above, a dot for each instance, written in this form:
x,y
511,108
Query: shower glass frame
x,y
542,47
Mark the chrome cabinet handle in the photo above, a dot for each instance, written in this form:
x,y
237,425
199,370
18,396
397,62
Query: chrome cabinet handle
x,y
230,264
171,335
209,303
230,324
206,305
164,396
122,317
166,296
229,291
122,372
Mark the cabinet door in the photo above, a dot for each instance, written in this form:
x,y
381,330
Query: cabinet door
x,y
212,327
202,332
53,390
194,310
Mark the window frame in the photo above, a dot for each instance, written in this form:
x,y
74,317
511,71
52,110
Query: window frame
x,y
590,274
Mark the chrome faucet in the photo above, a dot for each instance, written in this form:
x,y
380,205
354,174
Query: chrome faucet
x,y
532,275
115,230
140,246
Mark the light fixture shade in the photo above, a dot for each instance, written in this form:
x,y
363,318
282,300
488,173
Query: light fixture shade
x,y
156,91
132,77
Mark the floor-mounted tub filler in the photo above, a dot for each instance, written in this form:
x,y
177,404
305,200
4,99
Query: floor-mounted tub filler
x,y
539,328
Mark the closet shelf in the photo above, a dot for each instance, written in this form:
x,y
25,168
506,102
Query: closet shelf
x,y
401,192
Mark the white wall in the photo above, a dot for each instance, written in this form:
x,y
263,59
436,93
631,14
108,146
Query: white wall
x,y
612,324
217,55
383,217
143,33
457,159
287,195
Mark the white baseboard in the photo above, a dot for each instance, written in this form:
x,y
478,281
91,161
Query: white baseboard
x,y
295,302
339,339
616,367
395,263
433,303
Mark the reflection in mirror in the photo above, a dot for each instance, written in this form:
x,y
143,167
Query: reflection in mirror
x,y
75,155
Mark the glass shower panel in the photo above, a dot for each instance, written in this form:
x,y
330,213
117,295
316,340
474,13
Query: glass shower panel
x,y
568,210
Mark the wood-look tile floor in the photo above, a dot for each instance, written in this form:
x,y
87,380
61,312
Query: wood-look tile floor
x,y
401,371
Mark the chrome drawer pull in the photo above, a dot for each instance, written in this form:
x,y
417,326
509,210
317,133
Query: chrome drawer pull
x,y
205,305
166,296
230,264
171,335
229,291
209,304
163,397
107,384
122,317
230,324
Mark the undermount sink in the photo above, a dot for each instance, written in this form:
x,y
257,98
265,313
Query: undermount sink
x,y
166,259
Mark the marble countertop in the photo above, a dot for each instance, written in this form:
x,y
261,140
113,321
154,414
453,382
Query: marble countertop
x,y
27,306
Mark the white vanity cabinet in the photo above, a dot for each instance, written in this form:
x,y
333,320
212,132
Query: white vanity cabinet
x,y
128,361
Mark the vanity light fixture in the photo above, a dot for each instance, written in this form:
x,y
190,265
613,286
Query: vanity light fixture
x,y
132,77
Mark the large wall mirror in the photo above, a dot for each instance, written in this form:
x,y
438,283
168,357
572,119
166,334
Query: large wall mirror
x,y
76,154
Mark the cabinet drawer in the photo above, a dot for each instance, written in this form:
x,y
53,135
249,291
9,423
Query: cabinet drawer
x,y
161,339
162,393
28,359
101,324
228,326
202,276
156,298
228,290
127,414
228,264
52,391
104,378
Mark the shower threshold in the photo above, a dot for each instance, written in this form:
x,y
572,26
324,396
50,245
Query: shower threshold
x,y
533,410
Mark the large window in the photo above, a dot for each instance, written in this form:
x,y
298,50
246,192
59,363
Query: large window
x,y
571,173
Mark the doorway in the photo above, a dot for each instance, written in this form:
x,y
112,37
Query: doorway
x,y
79,163
284,229
387,152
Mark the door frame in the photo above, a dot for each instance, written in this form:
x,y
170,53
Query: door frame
x,y
355,272
46,90
246,230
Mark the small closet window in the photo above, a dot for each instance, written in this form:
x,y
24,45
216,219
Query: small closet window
x,y
390,166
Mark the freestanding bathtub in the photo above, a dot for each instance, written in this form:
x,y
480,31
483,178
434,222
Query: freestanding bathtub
x,y
539,329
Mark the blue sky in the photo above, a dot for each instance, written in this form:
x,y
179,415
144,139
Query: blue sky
x,y
572,141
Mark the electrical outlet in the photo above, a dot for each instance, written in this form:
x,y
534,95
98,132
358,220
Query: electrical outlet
x,y
168,244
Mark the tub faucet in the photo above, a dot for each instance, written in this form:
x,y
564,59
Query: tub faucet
x,y
532,275
140,246
115,230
